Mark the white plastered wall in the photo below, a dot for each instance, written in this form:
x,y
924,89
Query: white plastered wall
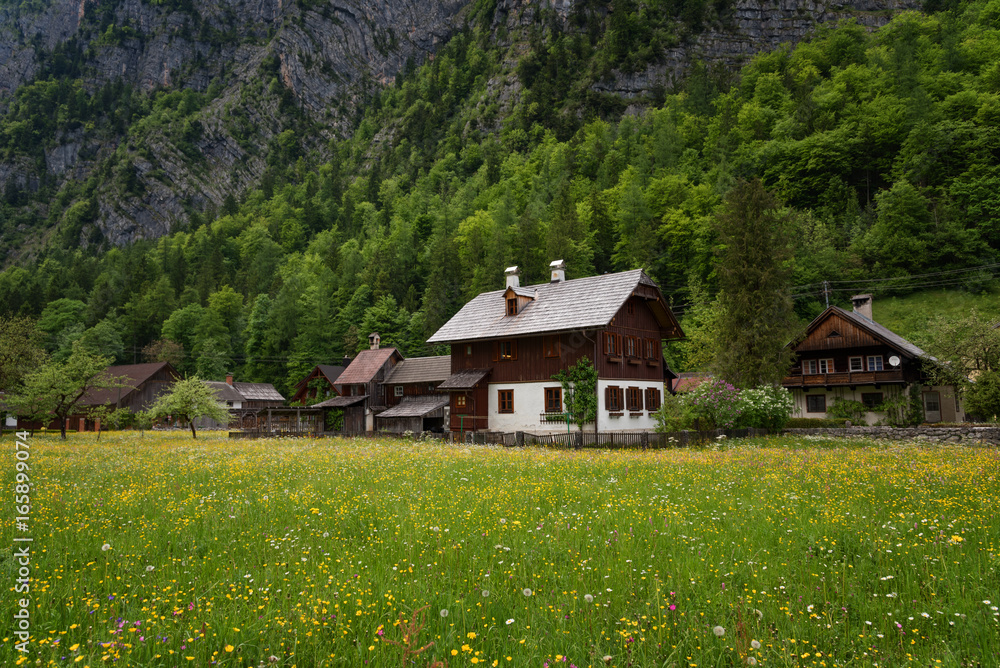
x,y
951,409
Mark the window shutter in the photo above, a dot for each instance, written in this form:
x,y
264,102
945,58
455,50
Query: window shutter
x,y
607,398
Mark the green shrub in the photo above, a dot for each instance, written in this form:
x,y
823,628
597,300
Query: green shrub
x,y
765,407
848,409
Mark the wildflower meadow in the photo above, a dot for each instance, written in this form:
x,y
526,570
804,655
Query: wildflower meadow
x,y
165,551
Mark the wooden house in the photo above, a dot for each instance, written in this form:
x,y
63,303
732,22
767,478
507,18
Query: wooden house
x,y
359,385
246,403
847,355
507,344
411,395
320,384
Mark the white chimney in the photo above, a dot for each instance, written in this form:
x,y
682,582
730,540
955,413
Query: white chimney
x,y
557,268
863,305
373,340
512,274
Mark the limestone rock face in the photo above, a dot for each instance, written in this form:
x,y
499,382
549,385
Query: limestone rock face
x,y
319,58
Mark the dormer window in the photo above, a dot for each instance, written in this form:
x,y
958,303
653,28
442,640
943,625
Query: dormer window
x,y
512,306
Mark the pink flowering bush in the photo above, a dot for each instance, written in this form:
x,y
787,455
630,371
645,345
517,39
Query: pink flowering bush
x,y
714,405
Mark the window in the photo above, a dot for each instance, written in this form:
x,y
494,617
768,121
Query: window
x,y
512,306
871,400
551,345
633,399
505,351
932,402
652,398
460,401
631,346
468,350
652,349
553,400
506,400
630,307
856,364
398,390
612,344
614,398
874,362
817,366
815,403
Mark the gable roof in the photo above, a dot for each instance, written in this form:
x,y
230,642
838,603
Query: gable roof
x,y
223,391
366,365
133,376
581,303
258,392
417,406
420,370
331,371
876,330
340,402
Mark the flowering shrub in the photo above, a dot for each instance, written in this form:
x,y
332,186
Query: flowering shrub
x,y
765,407
714,404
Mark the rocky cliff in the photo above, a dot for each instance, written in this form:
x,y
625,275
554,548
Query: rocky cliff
x,y
278,80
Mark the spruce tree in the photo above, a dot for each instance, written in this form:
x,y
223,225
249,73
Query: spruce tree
x,y
754,269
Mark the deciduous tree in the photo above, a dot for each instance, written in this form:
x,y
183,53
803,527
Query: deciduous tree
x,y
190,399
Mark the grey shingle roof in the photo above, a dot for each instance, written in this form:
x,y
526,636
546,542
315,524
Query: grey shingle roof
x,y
420,370
577,304
330,371
258,392
415,406
466,379
340,402
224,391
882,332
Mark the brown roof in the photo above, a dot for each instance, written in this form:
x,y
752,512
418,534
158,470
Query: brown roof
x,y
420,370
416,406
366,366
133,376
580,303
686,382
340,402
466,379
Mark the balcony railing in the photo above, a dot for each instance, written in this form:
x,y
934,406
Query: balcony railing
x,y
844,378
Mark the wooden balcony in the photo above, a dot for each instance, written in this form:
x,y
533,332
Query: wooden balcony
x,y
894,376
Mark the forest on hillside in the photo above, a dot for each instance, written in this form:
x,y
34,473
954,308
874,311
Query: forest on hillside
x,y
883,146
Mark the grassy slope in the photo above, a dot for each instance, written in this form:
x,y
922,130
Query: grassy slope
x,y
909,316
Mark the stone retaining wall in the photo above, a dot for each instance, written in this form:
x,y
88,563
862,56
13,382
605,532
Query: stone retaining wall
x,y
968,434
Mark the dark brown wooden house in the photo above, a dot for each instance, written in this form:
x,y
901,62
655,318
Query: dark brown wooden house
x,y
143,385
847,355
411,395
359,385
506,345
319,385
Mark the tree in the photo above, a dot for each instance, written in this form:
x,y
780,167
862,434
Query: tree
x,y
753,264
56,389
579,383
190,399
163,350
983,397
965,347
20,351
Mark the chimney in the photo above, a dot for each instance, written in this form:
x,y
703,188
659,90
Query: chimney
x,y
558,270
346,362
229,379
863,305
512,274
373,340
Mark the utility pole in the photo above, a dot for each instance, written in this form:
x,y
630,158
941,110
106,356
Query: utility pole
x,y
826,292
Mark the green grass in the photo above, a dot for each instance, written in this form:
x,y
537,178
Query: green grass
x,y
909,316
309,553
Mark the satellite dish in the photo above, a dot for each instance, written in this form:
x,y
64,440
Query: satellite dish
x,y
894,361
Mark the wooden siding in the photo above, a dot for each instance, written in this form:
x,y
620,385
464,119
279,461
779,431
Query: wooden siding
x,y
409,390
531,363
640,323
477,406
850,336
306,393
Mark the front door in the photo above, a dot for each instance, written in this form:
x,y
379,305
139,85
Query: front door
x,y
932,407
